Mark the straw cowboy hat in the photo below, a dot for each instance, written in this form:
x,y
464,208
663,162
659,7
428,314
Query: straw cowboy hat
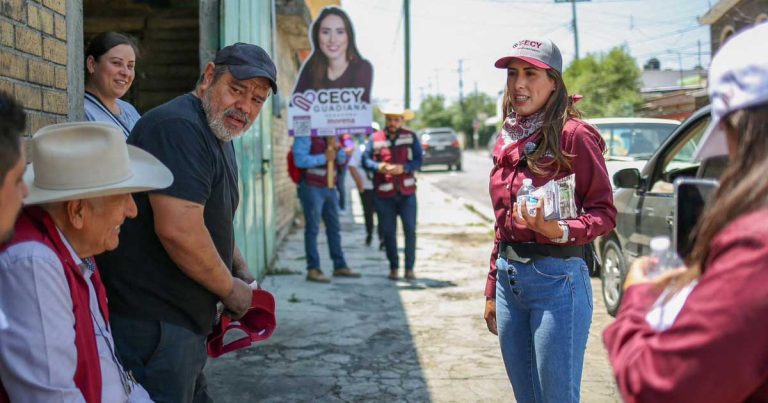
x,y
84,160
397,110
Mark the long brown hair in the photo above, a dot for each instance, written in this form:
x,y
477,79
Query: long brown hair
x,y
743,185
318,63
558,109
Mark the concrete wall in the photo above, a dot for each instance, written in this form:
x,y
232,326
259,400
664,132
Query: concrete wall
x,y
291,33
34,58
744,14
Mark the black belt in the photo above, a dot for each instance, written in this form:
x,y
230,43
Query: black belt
x,y
524,252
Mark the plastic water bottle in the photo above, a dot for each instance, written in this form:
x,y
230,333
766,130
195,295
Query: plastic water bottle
x,y
525,194
666,258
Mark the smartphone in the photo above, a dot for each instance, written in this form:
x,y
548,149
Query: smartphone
x,y
691,197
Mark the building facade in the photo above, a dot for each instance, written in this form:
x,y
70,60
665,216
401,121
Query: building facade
x,y
41,63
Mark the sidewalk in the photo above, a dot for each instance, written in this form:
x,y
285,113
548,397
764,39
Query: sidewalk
x,y
372,339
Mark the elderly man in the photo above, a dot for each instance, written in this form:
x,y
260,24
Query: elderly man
x,y
12,164
58,345
395,154
179,258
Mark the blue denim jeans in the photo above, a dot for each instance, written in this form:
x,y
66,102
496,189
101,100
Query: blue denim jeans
x,y
317,203
166,359
388,209
340,185
543,314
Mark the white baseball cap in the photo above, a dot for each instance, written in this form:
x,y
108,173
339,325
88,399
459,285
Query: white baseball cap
x,y
540,52
738,79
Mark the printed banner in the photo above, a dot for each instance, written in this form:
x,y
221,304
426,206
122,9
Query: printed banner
x,y
332,94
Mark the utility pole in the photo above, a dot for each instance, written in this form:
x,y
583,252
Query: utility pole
x,y
575,28
461,82
574,23
407,20
698,70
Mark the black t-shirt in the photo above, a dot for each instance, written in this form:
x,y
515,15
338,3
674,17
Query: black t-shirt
x,y
141,279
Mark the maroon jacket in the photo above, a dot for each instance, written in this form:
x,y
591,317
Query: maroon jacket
x,y
593,190
318,176
717,348
34,224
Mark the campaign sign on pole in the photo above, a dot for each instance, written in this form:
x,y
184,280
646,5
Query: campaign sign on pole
x,y
333,92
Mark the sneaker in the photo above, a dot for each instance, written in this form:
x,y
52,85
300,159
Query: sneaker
x,y
315,275
409,275
393,275
345,272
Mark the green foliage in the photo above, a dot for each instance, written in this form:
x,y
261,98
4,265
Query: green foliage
x,y
609,83
476,106
433,112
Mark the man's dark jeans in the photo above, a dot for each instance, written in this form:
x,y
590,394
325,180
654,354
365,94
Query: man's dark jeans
x,y
166,359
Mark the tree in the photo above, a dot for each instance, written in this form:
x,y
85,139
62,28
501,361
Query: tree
x,y
432,113
476,105
609,83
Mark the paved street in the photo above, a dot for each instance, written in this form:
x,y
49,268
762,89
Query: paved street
x,y
373,339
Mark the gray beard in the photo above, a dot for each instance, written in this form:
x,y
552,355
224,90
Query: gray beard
x,y
216,122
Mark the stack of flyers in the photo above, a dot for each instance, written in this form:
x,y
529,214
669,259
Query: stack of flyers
x,y
559,200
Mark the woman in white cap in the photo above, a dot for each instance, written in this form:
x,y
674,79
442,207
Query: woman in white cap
x,y
716,348
110,61
539,295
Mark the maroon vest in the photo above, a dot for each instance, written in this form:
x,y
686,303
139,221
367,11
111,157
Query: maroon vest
x,y
34,224
318,176
399,152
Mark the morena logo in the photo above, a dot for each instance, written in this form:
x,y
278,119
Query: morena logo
x,y
331,100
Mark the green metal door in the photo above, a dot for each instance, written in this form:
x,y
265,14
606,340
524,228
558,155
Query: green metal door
x,y
251,22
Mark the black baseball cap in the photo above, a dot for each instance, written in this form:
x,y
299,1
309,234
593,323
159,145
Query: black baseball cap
x,y
247,61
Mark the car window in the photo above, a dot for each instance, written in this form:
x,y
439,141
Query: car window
x,y
438,137
634,140
680,158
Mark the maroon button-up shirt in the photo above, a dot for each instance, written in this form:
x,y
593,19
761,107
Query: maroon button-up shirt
x,y
593,190
717,348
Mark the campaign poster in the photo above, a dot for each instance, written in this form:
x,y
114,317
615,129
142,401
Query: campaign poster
x,y
332,94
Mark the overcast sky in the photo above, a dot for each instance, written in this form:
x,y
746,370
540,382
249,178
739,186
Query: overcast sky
x,y
480,31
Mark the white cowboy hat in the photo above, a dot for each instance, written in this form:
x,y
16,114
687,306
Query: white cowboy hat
x,y
84,160
397,110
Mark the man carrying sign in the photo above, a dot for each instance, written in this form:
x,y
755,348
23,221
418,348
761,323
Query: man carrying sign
x,y
394,154
319,200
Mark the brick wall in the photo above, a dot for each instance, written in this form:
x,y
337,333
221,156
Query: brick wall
x,y
291,36
33,58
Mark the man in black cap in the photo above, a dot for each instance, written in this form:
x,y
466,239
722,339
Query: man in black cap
x,y
179,258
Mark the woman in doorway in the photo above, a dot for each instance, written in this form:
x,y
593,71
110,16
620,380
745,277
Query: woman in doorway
x,y
539,296
711,344
110,60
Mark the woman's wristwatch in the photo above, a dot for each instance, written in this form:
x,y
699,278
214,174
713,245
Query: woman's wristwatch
x,y
566,232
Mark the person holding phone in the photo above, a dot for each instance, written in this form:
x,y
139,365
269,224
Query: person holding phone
x,y
538,293
715,350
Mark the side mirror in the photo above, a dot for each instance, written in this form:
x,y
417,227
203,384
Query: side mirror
x,y
628,178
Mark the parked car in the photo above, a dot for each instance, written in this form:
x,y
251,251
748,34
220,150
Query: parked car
x,y
645,204
630,142
441,146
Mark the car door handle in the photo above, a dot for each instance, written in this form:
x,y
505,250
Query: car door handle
x,y
671,219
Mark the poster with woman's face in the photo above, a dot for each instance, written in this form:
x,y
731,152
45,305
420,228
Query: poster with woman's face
x,y
333,92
